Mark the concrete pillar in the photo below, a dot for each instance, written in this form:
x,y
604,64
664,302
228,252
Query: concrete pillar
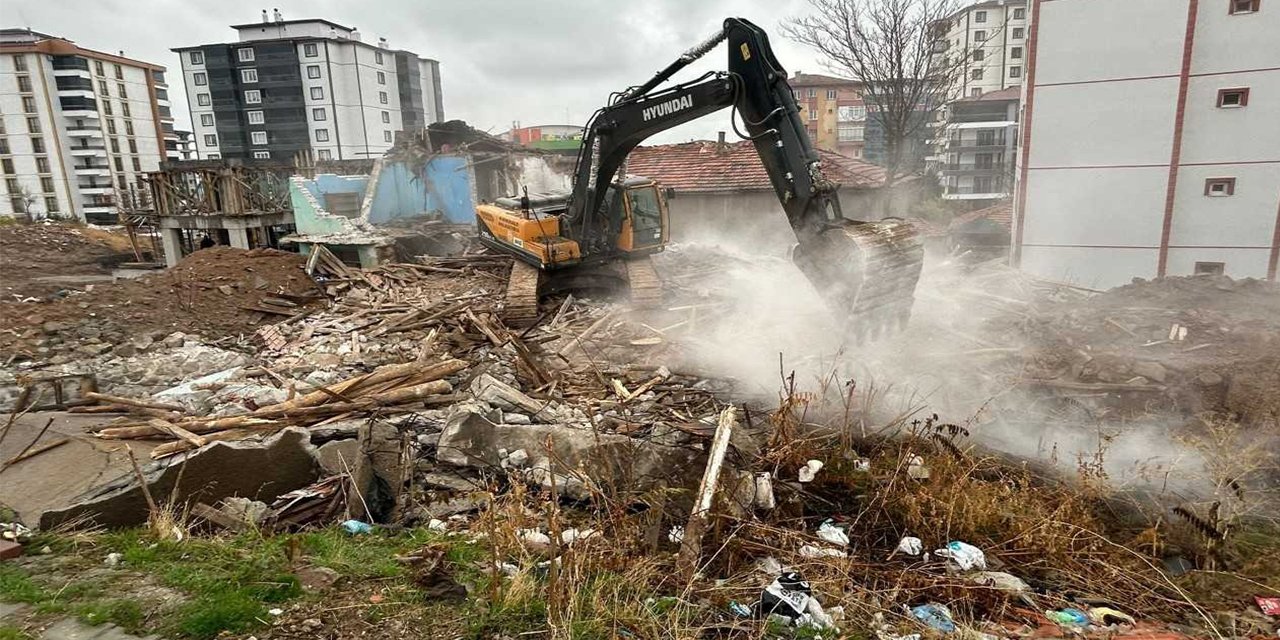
x,y
171,240
239,238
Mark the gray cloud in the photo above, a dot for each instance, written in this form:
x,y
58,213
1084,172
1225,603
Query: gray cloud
x,y
501,61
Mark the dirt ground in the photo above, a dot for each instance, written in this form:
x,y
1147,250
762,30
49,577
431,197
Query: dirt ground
x,y
206,294
33,252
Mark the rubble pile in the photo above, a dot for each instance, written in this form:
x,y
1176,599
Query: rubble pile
x,y
216,293
39,258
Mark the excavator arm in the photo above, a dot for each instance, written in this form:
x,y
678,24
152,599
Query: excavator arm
x,y
866,271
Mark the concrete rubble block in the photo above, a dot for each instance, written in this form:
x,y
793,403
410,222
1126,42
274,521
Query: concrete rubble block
x,y
501,395
578,455
376,471
337,457
195,394
258,469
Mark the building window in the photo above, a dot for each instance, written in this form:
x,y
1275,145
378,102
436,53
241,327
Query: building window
x,y
1244,6
206,119
4,146
248,75
102,87
386,135
813,114
258,137
979,55
33,125
980,17
811,93
313,71
317,93
377,57
115,145
124,110
256,117
51,204
197,57
317,114
253,96
979,36
19,62
322,135
128,127
28,104
1019,13
324,154
210,140
106,107
42,164
6,165
1015,53
262,155
245,54
310,50
202,99
386,117
1018,32
37,145
1238,97
119,162
199,78
213,156
97,68
124,93
133,145
831,94
382,97
24,84
976,74
1015,72
1210,268
111,127
46,184
850,133
119,72
1217,187
382,78
137,164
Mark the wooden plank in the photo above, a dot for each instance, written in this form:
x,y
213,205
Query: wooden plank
x,y
691,547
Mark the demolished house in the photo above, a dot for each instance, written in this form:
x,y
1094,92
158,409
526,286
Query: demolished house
x,y
420,198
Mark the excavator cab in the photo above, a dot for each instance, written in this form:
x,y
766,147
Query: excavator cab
x,y
644,227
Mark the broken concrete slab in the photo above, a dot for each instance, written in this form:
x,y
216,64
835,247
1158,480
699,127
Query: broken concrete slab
x,y
261,470
337,457
610,461
501,395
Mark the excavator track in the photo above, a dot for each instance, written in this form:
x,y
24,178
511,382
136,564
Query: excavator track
x,y
520,308
644,283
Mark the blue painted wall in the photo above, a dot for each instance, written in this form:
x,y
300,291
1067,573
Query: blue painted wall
x,y
444,188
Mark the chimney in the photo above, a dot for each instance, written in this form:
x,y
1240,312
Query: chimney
x,y
279,16
721,145
382,43
265,19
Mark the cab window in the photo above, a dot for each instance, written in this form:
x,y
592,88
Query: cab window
x,y
645,214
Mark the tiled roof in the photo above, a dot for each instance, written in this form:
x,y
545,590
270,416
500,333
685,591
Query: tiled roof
x,y
817,80
1000,213
703,166
1011,93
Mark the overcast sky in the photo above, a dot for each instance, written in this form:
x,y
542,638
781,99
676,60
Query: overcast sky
x,y
536,62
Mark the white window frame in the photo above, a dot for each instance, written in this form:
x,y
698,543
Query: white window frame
x,y
206,120
979,17
1018,33
313,71
319,90
386,117
200,79
203,100
980,35
261,155
1019,13
210,140
310,50
318,114
1015,72
257,116
386,136
382,78
258,137
253,96
831,94
240,54
249,76
324,154
322,135
382,97
196,57
377,57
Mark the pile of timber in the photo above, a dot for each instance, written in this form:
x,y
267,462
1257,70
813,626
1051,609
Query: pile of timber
x,y
396,388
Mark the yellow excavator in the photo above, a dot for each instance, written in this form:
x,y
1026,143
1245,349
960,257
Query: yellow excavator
x,y
609,225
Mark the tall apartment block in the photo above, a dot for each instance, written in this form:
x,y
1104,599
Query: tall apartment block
x,y
991,37
978,146
290,86
833,111
79,128
1154,155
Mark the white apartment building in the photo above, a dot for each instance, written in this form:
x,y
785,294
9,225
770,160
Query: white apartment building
x,y
79,128
1153,155
978,147
290,86
992,37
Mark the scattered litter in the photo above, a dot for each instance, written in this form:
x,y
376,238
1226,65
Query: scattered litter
x,y
676,535
1068,617
570,536
355,527
811,551
534,539
788,596
769,566
507,569
1106,616
1269,605
739,610
276,612
764,491
113,559
963,556
810,470
14,532
916,468
936,616
862,465
833,534
437,525
910,545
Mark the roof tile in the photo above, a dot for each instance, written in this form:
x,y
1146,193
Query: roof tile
x,y
705,166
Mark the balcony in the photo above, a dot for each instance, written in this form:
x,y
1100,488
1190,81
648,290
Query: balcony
x,y
92,170
91,151
94,189
85,133
70,63
978,192
997,144
971,168
69,85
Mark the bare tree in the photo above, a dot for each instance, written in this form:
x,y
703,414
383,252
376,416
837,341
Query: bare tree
x,y
896,50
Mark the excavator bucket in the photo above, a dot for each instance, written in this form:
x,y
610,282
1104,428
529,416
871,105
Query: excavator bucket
x,y
866,272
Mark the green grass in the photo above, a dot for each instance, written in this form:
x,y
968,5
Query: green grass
x,y
16,586
126,614
13,633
